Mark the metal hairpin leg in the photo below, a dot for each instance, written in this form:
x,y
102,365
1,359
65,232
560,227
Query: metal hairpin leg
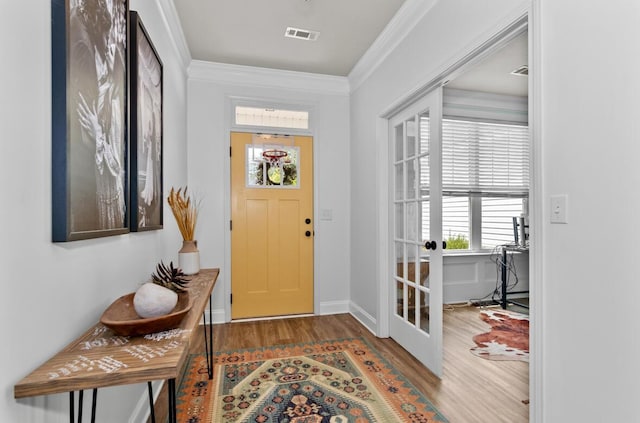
x,y
93,405
80,404
208,342
172,401
71,407
151,406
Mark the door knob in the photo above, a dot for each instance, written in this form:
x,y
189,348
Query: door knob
x,y
430,245
307,221
444,245
307,234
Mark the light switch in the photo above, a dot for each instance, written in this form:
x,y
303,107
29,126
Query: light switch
x,y
326,214
559,208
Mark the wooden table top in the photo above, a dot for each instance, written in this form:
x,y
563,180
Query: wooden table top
x,y
100,358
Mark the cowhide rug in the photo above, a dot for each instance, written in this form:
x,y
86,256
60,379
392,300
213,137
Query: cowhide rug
x,y
508,338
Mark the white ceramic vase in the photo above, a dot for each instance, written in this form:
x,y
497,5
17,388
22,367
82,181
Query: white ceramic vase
x,y
189,258
153,300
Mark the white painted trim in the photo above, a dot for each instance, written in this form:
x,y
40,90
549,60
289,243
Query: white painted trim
x,y
229,127
462,60
334,307
488,107
407,17
367,320
172,23
141,411
226,183
383,234
268,78
217,314
536,216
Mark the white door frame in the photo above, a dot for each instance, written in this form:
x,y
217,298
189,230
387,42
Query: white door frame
x,y
229,110
525,19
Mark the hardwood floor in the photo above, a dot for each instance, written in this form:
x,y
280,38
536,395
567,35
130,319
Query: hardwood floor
x,y
472,390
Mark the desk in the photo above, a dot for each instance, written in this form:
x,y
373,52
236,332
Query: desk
x,y
99,358
504,273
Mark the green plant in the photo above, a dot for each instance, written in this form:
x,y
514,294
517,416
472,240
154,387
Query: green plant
x,y
274,174
457,242
170,277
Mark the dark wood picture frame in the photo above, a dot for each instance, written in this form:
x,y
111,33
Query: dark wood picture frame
x,y
90,190
145,94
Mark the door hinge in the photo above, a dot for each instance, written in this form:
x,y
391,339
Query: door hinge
x,y
230,298
231,225
229,151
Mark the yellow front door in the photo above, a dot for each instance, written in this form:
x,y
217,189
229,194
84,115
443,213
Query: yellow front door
x,y
271,226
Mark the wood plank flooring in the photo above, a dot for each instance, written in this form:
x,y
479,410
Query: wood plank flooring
x,y
472,390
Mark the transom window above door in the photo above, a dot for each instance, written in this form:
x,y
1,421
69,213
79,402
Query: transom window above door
x,y
271,117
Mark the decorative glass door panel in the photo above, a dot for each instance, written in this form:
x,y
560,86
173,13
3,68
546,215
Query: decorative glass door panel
x,y
416,321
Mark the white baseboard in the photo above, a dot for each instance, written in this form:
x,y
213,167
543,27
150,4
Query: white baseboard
x,y
334,307
216,314
363,317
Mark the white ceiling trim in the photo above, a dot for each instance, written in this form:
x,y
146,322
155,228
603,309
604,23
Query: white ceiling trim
x,y
223,73
172,22
407,17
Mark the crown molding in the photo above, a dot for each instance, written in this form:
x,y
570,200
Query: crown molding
x,y
407,17
223,73
172,22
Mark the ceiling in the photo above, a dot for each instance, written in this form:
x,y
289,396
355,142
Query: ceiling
x,y
493,75
251,33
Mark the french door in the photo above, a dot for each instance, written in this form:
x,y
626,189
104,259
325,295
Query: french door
x,y
416,225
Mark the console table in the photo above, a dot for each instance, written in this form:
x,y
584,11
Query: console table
x,y
99,358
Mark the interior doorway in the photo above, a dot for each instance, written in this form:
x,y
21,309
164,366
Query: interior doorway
x,y
509,52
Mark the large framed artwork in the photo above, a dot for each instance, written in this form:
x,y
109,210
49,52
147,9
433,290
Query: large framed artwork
x,y
145,76
89,119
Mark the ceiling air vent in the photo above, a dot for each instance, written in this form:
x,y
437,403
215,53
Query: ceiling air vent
x,y
301,34
522,71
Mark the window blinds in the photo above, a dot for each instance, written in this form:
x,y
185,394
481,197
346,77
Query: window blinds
x,y
484,158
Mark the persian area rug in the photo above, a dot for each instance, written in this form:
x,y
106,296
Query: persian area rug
x,y
338,381
508,338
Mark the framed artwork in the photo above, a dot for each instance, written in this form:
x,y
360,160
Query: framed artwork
x,y
145,84
90,190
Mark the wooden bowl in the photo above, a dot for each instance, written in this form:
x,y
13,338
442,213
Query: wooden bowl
x,y
121,317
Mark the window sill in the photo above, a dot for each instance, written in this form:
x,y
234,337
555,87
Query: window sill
x,y
461,253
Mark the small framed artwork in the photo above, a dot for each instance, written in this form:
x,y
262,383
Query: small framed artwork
x,y
145,73
90,190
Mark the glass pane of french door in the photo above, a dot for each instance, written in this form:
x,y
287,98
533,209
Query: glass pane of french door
x,y
411,206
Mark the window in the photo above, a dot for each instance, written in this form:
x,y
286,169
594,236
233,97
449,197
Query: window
x,y
485,182
271,117
272,161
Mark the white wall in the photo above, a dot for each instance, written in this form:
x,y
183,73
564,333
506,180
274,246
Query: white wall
x,y
476,276
591,144
211,88
52,292
447,32
587,130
